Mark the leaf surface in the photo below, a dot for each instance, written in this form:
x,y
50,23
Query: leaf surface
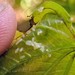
x,y
47,49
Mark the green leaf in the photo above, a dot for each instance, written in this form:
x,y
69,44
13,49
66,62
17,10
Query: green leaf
x,y
47,49
60,56
54,8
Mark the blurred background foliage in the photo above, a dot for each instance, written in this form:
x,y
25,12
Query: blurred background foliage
x,y
24,9
28,5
